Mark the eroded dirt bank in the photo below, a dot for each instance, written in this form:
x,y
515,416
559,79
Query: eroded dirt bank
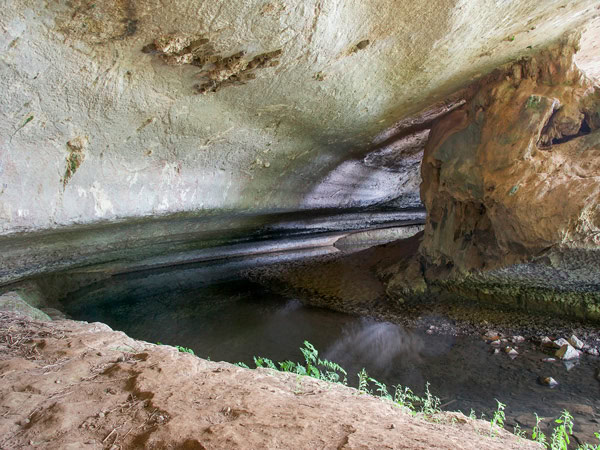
x,y
69,384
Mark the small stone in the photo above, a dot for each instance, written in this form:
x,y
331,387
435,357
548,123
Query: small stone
x,y
592,351
496,343
570,364
548,381
491,335
267,164
575,342
57,381
99,354
549,359
560,342
27,421
546,342
517,339
392,426
567,352
495,351
101,414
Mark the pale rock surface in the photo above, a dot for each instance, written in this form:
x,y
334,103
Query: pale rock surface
x,y
567,353
576,342
306,108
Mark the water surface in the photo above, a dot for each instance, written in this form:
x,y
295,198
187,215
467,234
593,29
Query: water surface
x,y
207,308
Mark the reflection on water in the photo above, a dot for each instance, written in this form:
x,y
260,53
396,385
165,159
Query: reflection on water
x,y
376,345
236,320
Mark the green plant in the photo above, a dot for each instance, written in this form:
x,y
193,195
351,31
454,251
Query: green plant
x,y
184,349
363,381
314,367
381,389
181,349
561,433
430,403
264,362
517,431
241,364
537,435
498,418
404,396
533,102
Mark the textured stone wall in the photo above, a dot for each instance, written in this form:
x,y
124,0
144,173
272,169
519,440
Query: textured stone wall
x,y
137,129
516,171
102,120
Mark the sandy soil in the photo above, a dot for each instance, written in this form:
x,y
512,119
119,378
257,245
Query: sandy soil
x,y
73,385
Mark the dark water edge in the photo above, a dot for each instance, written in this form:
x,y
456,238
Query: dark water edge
x,y
226,319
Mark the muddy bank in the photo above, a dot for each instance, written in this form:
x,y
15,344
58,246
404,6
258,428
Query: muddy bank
x,y
71,384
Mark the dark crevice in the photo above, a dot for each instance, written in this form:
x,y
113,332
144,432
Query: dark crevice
x,y
583,130
542,142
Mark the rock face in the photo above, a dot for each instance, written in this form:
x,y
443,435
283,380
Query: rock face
x,y
115,112
141,133
515,171
511,187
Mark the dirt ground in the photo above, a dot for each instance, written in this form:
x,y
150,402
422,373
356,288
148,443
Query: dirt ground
x,y
74,385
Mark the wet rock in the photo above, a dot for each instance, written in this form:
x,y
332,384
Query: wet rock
x,y
575,342
546,342
496,343
577,408
567,352
548,381
517,339
593,351
570,364
560,342
491,335
511,352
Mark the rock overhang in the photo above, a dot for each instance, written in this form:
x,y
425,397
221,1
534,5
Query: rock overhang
x,y
149,146
98,132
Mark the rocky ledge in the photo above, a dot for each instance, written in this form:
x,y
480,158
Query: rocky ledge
x,y
68,384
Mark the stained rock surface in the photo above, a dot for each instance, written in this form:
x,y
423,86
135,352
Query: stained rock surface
x,y
227,113
515,171
511,186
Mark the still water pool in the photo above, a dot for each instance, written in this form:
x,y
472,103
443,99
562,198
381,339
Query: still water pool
x,y
207,308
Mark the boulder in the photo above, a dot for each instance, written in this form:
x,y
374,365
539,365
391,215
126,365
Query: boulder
x,y
575,342
567,353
